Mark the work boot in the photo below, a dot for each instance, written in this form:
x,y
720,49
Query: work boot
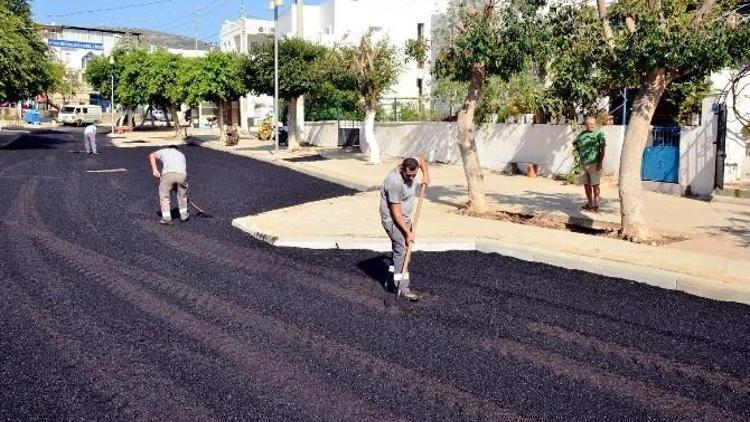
x,y
404,291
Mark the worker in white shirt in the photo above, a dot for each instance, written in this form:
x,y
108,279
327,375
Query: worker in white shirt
x,y
173,175
89,138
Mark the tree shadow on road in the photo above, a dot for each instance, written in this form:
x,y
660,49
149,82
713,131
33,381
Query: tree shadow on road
x,y
36,140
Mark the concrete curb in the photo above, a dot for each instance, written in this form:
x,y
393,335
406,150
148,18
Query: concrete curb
x,y
698,286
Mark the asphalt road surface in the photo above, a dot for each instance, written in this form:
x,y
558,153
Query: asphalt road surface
x,y
108,316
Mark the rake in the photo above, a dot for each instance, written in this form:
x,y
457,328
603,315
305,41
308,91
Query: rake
x,y
407,259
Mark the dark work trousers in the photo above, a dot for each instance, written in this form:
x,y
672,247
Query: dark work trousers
x,y
398,246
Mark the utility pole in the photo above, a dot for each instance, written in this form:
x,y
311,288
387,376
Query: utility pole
x,y
243,42
274,5
195,29
300,26
112,101
300,129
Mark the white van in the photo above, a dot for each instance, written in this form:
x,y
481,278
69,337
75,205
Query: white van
x,y
79,114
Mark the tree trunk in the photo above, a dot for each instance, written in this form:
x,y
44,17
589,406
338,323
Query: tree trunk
x,y
631,190
220,120
467,142
371,144
292,124
143,121
173,111
168,112
300,117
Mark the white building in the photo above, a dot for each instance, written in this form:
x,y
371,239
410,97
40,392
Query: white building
x,y
241,36
75,46
737,160
346,21
342,22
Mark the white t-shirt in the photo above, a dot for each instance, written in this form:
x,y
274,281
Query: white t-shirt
x,y
172,161
90,130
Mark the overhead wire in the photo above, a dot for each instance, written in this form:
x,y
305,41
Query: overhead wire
x,y
108,9
190,14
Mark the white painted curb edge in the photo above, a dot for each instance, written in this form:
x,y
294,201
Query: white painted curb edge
x,y
672,280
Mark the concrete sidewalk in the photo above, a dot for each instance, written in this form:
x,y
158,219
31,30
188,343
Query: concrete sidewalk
x,y
713,261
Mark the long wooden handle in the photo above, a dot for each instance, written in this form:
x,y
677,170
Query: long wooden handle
x,y
405,268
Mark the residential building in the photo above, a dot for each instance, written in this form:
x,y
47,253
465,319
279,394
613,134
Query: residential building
x,y
343,22
241,36
346,21
75,46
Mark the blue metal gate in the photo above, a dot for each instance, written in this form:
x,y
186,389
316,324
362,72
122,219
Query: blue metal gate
x,y
661,161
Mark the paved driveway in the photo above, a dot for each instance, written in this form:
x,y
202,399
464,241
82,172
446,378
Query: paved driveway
x,y
107,315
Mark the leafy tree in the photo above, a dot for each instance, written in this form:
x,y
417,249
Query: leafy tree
x,y
100,74
24,57
152,78
65,82
652,44
449,93
218,77
131,86
417,49
577,80
521,94
489,39
373,69
301,72
332,102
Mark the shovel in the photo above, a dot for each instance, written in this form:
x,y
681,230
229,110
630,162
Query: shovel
x,y
407,259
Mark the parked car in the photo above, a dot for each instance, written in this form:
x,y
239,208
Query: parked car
x,y
79,114
160,115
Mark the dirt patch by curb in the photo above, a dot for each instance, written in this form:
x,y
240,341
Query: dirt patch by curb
x,y
549,221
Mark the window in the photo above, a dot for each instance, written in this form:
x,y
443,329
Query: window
x,y
420,30
419,86
85,110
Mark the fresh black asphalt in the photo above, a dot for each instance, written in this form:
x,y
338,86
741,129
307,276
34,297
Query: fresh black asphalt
x,y
108,316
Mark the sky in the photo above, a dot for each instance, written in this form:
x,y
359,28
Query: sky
x,y
173,16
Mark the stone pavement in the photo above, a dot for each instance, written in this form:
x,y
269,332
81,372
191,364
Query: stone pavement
x,y
713,261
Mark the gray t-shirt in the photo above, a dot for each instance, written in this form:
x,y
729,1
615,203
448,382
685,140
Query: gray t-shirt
x,y
396,191
172,161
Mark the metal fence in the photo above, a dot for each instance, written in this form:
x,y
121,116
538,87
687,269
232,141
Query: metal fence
x,y
414,109
665,136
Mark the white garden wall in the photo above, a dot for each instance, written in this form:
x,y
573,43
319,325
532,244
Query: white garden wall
x,y
549,146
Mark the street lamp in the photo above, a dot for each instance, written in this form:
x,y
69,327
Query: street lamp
x,y
112,100
274,5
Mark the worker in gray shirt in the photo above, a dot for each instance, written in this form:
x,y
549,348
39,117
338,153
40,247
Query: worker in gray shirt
x,y
173,174
397,198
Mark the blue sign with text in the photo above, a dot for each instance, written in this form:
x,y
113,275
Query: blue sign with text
x,y
75,44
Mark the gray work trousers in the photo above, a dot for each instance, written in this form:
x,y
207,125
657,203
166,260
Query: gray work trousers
x,y
166,183
398,246
89,142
